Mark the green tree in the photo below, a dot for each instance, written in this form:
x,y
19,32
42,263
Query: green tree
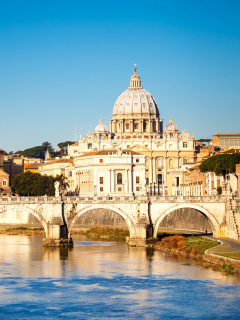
x,y
63,146
38,151
63,183
221,164
34,184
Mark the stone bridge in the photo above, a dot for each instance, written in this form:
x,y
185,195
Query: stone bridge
x,y
142,215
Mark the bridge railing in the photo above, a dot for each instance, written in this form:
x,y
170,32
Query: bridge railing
x,y
119,198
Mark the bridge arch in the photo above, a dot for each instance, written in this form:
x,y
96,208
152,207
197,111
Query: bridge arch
x,y
35,213
125,216
212,220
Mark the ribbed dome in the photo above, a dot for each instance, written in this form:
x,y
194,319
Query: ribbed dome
x,y
171,126
135,100
101,127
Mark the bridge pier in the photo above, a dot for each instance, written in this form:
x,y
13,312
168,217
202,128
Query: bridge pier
x,y
57,236
143,236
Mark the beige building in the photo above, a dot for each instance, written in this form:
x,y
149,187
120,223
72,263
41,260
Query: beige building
x,y
55,167
107,173
136,125
4,177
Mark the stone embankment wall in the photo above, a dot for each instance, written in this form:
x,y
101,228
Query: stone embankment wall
x,y
218,260
101,217
186,219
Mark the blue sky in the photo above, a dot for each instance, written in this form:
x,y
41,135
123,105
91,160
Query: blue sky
x,y
64,63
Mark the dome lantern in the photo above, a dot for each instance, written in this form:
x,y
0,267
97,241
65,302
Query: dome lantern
x,y
135,81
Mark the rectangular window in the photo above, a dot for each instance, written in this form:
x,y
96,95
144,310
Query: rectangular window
x,y
135,126
100,160
90,146
127,126
137,189
184,144
101,189
101,180
4,182
137,179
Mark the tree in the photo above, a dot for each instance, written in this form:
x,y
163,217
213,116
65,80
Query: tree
x,y
34,184
221,164
38,151
63,183
63,146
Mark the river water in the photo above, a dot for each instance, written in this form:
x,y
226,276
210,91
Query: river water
x,y
108,280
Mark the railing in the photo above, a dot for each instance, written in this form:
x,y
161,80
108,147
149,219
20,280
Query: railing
x,y
117,198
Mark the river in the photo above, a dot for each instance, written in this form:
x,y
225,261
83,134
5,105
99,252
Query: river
x,y
108,280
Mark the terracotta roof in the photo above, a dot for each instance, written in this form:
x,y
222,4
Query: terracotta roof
x,y
107,152
227,134
58,161
232,150
33,165
74,144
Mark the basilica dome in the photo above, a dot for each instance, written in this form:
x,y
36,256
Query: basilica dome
x,y
101,128
136,100
171,126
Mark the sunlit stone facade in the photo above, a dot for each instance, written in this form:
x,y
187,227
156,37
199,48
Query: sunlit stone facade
x,y
136,125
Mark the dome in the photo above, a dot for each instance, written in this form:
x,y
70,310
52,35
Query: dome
x,y
135,100
171,126
101,128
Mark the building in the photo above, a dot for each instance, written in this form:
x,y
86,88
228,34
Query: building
x,y
4,177
13,166
32,167
107,172
55,167
226,140
136,125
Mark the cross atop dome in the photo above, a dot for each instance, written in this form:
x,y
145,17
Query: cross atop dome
x,y
135,81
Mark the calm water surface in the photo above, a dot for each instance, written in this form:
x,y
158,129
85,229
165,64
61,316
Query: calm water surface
x,y
108,280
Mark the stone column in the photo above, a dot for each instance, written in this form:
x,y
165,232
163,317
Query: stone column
x,y
165,170
131,125
154,169
150,169
109,181
127,182
141,125
130,188
112,182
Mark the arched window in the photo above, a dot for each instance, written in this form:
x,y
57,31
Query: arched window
x,y
159,162
184,160
119,178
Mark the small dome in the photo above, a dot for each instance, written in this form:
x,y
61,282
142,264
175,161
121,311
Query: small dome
x,y
101,128
171,126
135,100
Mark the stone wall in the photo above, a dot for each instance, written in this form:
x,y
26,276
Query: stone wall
x,y
101,217
186,219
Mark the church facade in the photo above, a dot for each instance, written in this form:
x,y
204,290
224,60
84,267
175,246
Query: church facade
x,y
136,126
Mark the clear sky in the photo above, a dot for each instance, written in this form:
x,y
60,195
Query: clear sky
x,y
64,63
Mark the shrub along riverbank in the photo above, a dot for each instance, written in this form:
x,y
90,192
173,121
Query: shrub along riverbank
x,y
20,230
195,248
104,232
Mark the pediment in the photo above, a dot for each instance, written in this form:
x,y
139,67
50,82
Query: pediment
x,y
139,148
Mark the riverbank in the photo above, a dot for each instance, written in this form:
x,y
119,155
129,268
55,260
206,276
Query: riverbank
x,y
21,230
201,249
103,232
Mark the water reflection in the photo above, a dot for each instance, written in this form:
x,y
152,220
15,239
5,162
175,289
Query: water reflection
x,y
110,279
